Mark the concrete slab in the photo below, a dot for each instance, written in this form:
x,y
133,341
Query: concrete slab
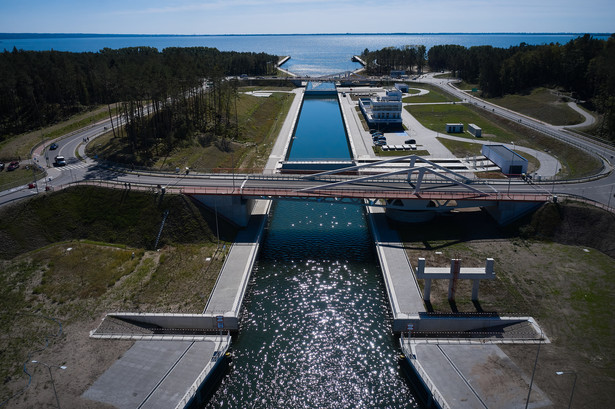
x,y
135,375
278,152
178,381
158,374
403,290
227,295
476,376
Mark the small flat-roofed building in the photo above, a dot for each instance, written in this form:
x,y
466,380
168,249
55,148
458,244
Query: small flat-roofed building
x,y
509,161
475,130
383,110
454,128
401,87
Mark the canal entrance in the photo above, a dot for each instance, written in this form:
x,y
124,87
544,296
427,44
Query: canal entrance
x,y
315,329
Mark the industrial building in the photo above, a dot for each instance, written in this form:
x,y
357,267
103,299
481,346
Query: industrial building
x,y
508,160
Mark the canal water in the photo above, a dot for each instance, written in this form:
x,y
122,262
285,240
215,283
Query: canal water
x,y
316,328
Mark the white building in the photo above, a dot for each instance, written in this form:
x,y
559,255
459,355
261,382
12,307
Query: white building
x,y
382,110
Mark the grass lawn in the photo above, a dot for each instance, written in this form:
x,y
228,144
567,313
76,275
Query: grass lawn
x,y
57,264
567,288
17,177
466,86
413,91
435,117
261,119
435,95
543,104
19,146
575,163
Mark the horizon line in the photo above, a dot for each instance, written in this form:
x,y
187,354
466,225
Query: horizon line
x,y
300,34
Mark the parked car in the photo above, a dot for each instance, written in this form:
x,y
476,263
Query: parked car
x,y
53,146
13,165
1,166
59,161
380,142
31,185
411,141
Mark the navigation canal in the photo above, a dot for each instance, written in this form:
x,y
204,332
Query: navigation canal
x,y
315,331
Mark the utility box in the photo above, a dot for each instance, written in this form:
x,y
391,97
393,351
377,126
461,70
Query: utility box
x,y
475,130
454,128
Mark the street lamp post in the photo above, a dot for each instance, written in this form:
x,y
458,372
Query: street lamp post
x,y
51,376
529,392
512,159
573,383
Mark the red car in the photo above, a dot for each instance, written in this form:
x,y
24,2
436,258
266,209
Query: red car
x,y
31,185
13,165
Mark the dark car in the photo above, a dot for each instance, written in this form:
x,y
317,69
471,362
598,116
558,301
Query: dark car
x,y
1,166
53,146
13,165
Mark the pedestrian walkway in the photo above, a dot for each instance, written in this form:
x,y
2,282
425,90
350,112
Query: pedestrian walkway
x,y
402,288
227,295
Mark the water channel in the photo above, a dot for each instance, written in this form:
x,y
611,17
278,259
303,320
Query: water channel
x,y
316,329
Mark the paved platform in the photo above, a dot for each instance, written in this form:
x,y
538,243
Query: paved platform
x,y
280,147
228,293
158,374
473,377
403,290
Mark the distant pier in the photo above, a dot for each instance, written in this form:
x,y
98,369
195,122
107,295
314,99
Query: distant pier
x,y
358,59
283,60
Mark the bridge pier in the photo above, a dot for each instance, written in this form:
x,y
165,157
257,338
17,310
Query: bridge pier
x,y
237,209
505,212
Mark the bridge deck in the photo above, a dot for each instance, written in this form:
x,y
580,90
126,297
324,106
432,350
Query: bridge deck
x,y
366,194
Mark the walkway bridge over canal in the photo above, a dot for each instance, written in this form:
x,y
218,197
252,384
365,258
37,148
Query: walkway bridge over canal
x,y
405,186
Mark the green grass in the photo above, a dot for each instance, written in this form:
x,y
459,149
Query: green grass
x,y
18,177
260,120
435,95
576,163
435,117
463,85
542,104
19,146
111,216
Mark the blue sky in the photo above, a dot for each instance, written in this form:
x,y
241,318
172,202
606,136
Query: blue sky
x,y
304,16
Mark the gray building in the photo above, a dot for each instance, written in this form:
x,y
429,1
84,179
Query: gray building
x,y
475,130
454,128
509,161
